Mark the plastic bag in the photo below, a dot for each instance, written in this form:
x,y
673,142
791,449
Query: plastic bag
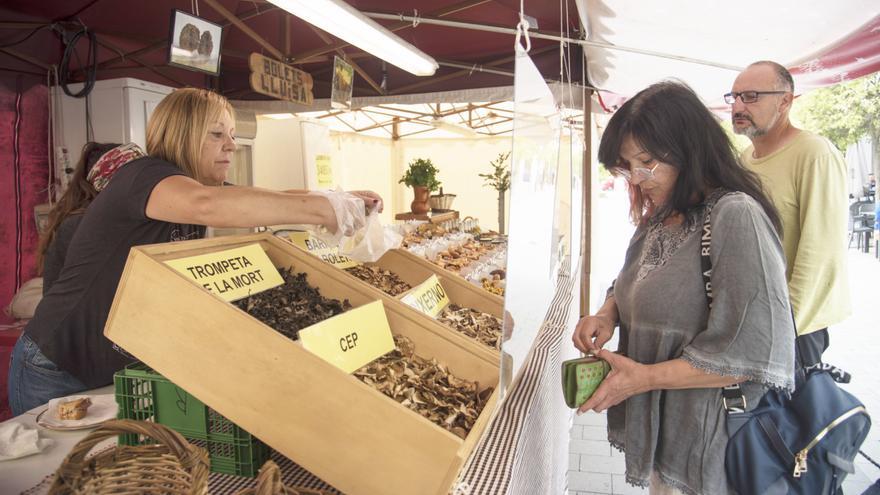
x,y
350,215
371,242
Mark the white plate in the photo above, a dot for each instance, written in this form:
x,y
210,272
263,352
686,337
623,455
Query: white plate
x,y
103,408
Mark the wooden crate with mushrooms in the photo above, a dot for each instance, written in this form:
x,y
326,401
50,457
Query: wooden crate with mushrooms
x,y
473,312
403,424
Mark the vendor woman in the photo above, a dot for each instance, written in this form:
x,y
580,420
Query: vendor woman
x,y
170,195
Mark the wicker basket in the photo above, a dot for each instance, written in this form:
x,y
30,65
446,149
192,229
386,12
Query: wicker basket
x,y
269,483
441,202
171,466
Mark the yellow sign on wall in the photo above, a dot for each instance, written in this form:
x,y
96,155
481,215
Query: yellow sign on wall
x,y
231,274
319,248
351,340
272,78
323,171
429,297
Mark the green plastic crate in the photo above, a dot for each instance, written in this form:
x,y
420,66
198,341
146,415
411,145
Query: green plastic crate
x,y
144,395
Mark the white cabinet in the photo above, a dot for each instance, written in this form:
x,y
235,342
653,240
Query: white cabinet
x,y
117,113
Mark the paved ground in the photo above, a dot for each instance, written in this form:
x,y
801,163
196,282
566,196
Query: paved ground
x,y
596,468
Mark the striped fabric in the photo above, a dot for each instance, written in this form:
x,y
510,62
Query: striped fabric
x,y
518,452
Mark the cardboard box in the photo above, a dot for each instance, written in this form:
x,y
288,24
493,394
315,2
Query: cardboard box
x,y
331,423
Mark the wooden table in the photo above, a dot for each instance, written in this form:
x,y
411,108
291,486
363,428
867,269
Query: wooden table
x,y
429,217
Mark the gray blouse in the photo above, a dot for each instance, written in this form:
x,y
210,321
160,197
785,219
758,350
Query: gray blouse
x,y
682,434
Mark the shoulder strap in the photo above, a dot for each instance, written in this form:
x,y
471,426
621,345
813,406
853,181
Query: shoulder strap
x,y
732,397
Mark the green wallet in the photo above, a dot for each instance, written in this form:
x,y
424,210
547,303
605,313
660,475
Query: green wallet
x,y
581,377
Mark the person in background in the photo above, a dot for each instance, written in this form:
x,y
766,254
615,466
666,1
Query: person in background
x,y
663,394
65,216
871,187
170,195
805,176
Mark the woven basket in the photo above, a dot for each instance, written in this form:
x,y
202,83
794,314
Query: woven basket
x,y
269,483
441,202
171,466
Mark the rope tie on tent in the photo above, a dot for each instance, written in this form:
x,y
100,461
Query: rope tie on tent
x,y
522,30
416,18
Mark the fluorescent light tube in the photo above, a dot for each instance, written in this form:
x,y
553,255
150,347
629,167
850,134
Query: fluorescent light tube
x,y
347,23
279,116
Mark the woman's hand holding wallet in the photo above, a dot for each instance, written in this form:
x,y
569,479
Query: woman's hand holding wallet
x,y
626,378
622,377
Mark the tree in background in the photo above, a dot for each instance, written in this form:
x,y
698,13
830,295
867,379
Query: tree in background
x,y
844,113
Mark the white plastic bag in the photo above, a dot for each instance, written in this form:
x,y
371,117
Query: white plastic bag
x,y
350,215
366,244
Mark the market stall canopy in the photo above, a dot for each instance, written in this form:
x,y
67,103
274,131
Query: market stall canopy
x,y
133,42
707,43
629,43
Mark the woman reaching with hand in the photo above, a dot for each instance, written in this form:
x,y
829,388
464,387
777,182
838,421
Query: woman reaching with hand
x,y
170,195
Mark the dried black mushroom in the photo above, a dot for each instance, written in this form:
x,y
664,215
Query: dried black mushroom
x,y
292,306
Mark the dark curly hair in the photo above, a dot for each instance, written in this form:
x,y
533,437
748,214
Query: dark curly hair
x,y
669,121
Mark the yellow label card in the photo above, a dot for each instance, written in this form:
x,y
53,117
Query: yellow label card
x,y
231,274
350,340
320,249
324,171
428,297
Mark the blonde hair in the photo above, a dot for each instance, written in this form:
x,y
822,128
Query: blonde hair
x,y
179,126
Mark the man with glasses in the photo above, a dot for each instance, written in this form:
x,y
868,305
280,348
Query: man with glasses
x,y
805,176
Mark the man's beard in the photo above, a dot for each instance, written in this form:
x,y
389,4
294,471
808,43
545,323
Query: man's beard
x,y
752,131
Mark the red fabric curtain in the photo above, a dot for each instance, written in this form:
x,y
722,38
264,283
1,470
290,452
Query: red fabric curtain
x,y
24,173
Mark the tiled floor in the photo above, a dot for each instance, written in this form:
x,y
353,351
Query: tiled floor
x,y
596,468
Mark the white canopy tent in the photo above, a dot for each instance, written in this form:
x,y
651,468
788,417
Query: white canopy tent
x,y
632,43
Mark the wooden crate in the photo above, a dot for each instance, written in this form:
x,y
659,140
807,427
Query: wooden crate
x,y
496,300
337,427
414,270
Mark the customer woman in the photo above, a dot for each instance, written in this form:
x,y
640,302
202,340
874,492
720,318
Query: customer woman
x,y
663,394
170,195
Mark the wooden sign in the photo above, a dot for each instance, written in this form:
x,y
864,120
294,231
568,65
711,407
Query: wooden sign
x,y
319,248
428,297
231,274
272,78
351,340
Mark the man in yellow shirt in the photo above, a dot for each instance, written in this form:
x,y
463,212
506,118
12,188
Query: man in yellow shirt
x,y
805,176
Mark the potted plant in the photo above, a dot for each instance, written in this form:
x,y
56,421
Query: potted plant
x,y
499,180
422,177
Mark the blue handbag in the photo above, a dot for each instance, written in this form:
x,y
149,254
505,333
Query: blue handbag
x,y
799,443
802,444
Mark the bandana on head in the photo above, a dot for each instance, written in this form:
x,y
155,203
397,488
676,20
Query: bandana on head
x,y
110,162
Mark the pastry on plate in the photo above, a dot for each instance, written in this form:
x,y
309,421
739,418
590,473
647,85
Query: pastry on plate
x,y
74,409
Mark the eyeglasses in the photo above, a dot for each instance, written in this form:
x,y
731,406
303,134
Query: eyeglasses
x,y
641,173
749,96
